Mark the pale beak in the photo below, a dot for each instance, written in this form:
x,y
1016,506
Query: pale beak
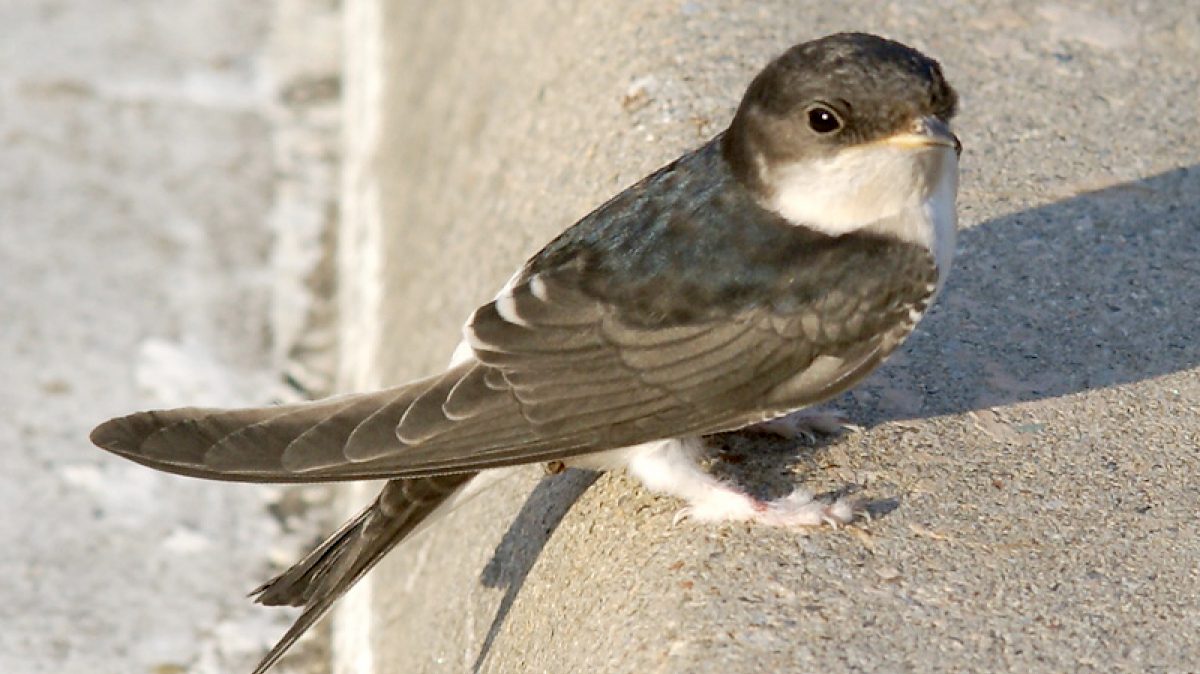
x,y
925,132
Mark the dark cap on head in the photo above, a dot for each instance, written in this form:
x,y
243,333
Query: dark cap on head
x,y
840,90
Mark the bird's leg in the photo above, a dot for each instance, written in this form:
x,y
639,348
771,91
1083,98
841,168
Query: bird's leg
x,y
807,423
672,467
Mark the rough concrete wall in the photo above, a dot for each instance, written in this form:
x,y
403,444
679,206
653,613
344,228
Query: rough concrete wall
x,y
1027,454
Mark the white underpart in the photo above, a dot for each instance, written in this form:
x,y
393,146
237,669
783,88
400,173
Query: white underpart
x,y
672,467
898,190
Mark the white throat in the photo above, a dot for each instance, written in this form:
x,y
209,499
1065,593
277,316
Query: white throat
x,y
902,192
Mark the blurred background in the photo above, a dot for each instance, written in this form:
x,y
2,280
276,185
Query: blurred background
x,y
167,171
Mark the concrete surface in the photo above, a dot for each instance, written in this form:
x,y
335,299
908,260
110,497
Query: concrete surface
x,y
1030,457
138,188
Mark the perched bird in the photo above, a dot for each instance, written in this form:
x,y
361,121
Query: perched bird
x,y
769,269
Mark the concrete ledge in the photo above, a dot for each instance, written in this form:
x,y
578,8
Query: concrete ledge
x,y
476,131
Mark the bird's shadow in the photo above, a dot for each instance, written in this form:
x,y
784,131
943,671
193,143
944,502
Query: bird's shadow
x,y
1093,291
525,539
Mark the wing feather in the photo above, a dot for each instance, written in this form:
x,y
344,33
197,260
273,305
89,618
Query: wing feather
x,y
566,364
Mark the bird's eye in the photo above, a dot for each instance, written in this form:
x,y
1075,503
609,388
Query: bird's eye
x,y
823,120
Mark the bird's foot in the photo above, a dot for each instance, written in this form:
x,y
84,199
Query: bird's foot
x,y
807,424
798,509
670,467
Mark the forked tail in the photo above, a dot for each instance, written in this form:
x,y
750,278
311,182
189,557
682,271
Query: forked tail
x,y
321,578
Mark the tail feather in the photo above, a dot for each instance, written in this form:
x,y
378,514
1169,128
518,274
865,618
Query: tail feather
x,y
299,442
327,573
296,586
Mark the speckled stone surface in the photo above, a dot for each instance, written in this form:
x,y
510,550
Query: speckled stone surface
x,y
1029,457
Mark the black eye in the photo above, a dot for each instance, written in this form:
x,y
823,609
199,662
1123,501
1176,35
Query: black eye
x,y
823,120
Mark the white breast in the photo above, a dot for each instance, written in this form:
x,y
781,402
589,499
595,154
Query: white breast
x,y
903,192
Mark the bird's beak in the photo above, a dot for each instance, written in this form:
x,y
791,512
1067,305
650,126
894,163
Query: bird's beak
x,y
926,132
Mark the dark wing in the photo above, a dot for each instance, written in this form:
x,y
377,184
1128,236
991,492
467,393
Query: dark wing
x,y
679,308
558,374
561,373
280,443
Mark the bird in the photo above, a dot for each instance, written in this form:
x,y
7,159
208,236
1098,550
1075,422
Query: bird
x,y
766,271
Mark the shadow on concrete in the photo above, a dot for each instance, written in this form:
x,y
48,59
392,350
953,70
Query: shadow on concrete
x,y
1098,290
525,539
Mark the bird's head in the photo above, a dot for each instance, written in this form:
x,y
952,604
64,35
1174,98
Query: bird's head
x,y
845,131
